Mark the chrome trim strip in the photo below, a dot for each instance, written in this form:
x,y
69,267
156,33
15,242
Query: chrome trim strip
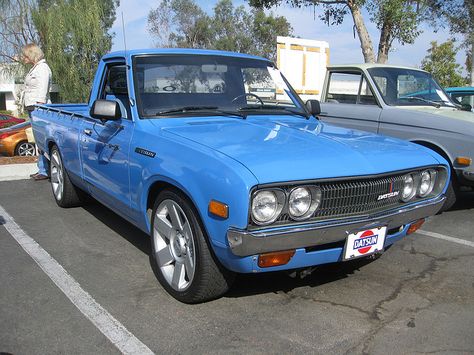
x,y
245,243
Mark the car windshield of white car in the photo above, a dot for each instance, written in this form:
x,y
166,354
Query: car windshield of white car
x,y
406,87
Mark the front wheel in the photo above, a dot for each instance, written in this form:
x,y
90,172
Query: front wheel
x,y
64,192
182,260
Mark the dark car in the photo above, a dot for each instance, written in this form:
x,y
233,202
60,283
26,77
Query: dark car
x,y
9,120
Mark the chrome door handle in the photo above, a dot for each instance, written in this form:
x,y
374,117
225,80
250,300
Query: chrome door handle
x,y
87,132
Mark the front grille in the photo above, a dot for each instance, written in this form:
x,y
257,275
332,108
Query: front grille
x,y
358,197
351,197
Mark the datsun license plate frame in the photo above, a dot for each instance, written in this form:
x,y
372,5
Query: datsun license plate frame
x,y
365,245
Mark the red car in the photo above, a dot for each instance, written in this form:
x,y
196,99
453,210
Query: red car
x,y
9,120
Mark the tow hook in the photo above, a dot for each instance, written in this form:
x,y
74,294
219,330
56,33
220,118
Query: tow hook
x,y
302,273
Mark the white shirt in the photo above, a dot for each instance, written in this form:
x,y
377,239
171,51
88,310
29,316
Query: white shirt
x,y
37,84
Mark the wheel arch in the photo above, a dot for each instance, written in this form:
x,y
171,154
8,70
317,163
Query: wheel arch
x,y
159,185
440,151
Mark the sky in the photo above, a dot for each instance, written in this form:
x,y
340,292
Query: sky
x,y
345,48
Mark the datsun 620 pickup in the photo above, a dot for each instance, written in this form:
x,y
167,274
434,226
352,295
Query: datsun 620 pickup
x,y
214,155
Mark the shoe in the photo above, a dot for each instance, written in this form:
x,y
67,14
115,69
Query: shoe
x,y
33,175
39,177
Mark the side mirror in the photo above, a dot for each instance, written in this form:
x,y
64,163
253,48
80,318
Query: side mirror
x,y
313,107
105,110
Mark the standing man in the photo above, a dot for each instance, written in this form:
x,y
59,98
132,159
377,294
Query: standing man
x,y
37,87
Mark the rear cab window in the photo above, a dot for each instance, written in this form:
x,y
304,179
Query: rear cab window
x,y
349,88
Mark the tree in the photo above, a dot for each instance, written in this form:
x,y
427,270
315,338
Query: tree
x,y
16,28
397,20
74,36
182,23
441,63
460,17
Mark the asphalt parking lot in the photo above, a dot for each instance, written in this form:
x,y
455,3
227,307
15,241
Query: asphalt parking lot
x,y
417,298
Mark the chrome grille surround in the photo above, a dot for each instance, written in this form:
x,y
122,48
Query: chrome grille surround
x,y
354,196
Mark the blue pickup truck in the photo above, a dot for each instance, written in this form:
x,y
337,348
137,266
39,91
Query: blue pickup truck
x,y
215,156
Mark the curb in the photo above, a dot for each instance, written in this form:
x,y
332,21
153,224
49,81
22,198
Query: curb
x,y
10,172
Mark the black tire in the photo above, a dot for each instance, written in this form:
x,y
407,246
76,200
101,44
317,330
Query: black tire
x,y
208,279
25,149
65,193
451,193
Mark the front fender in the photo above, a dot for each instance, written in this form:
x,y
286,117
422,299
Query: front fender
x,y
199,172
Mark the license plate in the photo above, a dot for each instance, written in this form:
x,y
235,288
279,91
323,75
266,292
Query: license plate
x,y
364,243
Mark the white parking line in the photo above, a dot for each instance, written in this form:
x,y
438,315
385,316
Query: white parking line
x,y
125,341
445,237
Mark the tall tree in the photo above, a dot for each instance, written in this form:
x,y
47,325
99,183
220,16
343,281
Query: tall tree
x,y
74,36
182,23
397,20
16,28
441,63
460,17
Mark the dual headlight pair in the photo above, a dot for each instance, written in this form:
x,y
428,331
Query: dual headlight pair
x,y
418,184
268,204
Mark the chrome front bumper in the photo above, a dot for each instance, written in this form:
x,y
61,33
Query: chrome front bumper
x,y
245,243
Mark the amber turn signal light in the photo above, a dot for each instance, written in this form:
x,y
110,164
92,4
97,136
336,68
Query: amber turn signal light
x,y
464,161
275,259
218,209
415,226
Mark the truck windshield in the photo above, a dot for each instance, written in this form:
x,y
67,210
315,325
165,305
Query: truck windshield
x,y
167,85
406,87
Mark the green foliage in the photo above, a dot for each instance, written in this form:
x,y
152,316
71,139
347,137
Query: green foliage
x,y
441,63
73,35
182,23
401,16
459,15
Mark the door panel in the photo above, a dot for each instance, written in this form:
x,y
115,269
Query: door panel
x,y
356,116
105,160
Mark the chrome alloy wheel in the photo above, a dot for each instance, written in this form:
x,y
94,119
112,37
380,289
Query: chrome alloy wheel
x,y
174,245
26,149
57,178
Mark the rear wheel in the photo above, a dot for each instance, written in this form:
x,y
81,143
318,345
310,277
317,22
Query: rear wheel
x,y
25,149
64,192
182,260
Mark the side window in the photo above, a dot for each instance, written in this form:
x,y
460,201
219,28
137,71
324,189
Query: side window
x,y
343,88
115,88
366,96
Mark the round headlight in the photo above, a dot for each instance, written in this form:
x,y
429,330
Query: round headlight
x,y
265,207
299,202
408,188
427,182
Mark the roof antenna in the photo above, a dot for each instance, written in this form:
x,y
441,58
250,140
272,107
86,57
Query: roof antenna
x,y
124,39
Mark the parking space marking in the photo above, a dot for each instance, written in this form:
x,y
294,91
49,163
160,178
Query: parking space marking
x,y
447,238
125,341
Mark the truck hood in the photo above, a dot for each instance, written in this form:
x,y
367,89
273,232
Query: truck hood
x,y
286,148
442,111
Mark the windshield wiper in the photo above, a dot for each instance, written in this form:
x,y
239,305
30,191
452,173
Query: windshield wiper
x,y
187,109
432,103
214,109
280,108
